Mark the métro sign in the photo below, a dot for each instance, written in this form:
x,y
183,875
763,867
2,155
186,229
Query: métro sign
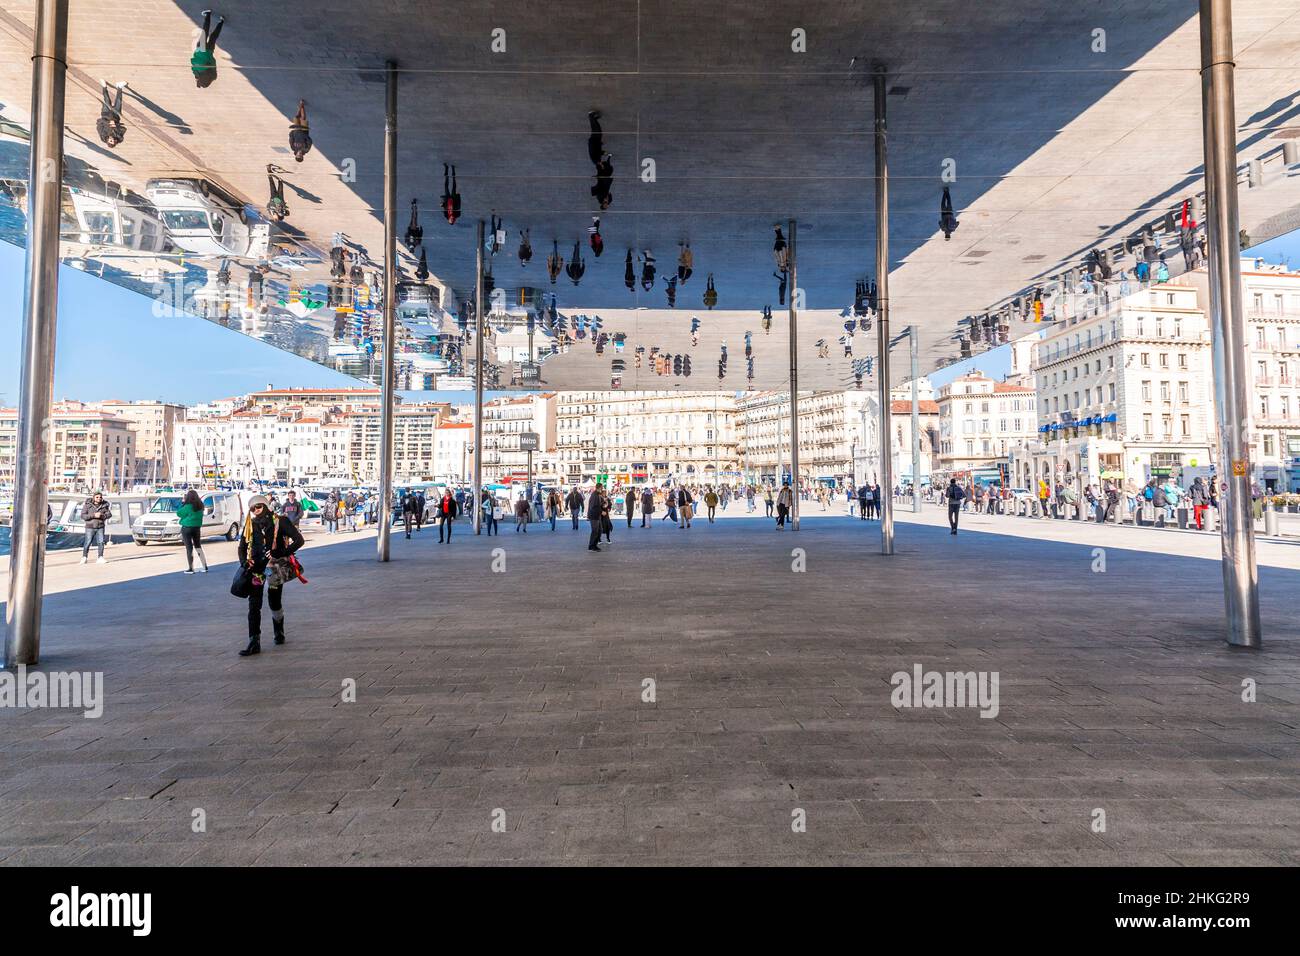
x,y
528,441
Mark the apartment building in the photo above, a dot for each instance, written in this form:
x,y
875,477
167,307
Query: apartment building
x,y
983,422
837,435
505,420
154,424
1124,393
646,436
89,448
1271,297
414,427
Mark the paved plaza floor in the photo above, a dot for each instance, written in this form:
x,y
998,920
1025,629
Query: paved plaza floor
x,y
503,716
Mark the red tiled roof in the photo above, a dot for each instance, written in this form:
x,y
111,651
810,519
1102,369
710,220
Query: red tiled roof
x,y
904,407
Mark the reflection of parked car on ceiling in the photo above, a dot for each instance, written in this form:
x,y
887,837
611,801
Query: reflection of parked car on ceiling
x,y
113,220
203,219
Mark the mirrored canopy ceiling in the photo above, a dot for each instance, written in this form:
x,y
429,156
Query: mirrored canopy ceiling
x,y
1057,128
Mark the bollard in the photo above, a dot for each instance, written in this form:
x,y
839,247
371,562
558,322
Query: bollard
x,y
1270,518
1210,518
1182,518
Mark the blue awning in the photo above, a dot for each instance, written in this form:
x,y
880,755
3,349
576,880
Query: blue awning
x,y
1111,417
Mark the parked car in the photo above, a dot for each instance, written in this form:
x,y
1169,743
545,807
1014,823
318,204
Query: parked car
x,y
1024,501
223,514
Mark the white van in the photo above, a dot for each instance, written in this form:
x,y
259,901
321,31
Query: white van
x,y
223,514
203,220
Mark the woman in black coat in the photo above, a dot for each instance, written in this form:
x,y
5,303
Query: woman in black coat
x,y
264,546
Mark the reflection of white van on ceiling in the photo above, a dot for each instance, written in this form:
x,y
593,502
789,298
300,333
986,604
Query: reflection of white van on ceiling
x,y
111,221
204,220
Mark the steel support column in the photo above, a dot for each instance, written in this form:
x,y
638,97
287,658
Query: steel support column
x,y
915,349
794,383
40,317
479,322
886,479
386,397
1231,394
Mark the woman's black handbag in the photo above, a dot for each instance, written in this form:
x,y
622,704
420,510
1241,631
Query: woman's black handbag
x,y
242,586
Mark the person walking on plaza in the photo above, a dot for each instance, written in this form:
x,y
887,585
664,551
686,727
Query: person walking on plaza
x,y
606,506
291,510
647,506
299,135
711,502
522,509
553,506
1159,501
749,499
488,507
784,502
267,540
411,508
956,495
95,512
329,513
448,511
629,503
190,516
1111,495
595,517
1044,495
203,63
573,501
685,507
350,505
1200,498
670,506
864,500
109,126
768,498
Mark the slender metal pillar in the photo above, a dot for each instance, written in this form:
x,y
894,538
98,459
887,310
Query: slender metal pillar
x,y
794,384
916,420
40,316
1231,395
886,479
386,396
479,323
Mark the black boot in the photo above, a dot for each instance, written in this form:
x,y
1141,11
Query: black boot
x,y
278,624
254,647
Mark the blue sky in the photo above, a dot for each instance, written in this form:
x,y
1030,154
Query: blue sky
x,y
110,345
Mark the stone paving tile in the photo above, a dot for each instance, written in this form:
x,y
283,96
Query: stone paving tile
x,y
770,697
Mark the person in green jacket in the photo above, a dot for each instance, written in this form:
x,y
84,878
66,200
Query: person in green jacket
x,y
202,62
190,515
